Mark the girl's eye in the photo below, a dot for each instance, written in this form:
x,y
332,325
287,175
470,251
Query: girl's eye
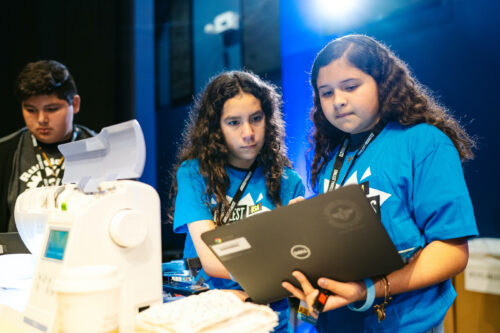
x,y
351,87
232,123
326,93
30,110
52,109
257,118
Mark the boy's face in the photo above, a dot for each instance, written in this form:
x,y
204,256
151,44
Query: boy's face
x,y
49,118
243,124
348,96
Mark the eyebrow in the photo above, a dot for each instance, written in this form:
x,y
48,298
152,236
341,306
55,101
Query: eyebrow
x,y
45,106
341,82
238,117
52,105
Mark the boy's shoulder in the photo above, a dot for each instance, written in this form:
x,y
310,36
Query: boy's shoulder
x,y
12,137
8,143
84,132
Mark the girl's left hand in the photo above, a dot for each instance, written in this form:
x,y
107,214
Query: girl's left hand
x,y
343,292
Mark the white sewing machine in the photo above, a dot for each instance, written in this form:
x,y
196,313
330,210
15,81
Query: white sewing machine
x,y
96,220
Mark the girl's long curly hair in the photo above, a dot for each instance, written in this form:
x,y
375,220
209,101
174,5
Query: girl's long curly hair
x,y
203,139
401,97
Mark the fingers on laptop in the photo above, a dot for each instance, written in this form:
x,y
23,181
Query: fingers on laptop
x,y
297,199
308,293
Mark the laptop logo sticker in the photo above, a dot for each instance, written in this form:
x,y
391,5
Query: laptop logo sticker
x,y
300,252
231,246
343,214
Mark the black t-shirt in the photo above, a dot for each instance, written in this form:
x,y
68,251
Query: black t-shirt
x,y
32,164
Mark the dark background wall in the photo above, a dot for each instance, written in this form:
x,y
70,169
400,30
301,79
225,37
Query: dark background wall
x,y
92,38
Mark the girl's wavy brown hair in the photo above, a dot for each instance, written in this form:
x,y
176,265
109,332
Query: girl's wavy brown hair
x,y
401,97
203,139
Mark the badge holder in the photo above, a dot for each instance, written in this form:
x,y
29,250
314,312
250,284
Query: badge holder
x,y
311,317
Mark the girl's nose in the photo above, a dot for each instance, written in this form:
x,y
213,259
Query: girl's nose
x,y
339,100
247,131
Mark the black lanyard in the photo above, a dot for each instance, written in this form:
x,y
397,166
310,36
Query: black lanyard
x,y
37,149
56,169
339,160
239,192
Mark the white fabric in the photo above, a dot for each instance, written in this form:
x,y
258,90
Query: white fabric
x,y
209,312
16,276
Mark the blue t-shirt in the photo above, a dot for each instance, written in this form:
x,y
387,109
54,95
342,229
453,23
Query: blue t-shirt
x,y
416,176
190,206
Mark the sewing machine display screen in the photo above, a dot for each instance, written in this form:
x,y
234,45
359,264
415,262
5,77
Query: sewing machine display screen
x,y
56,244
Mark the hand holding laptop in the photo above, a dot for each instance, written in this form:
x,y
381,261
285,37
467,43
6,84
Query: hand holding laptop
x,y
343,292
297,199
335,235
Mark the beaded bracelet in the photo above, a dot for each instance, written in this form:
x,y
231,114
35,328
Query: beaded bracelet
x,y
370,297
379,309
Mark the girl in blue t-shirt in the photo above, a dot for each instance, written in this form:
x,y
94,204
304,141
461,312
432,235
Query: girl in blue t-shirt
x,y
376,126
235,131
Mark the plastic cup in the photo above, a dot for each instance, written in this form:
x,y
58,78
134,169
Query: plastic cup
x,y
88,299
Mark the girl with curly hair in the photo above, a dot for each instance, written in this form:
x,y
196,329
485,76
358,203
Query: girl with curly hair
x,y
376,126
235,137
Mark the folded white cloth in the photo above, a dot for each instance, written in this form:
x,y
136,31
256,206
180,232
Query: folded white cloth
x,y
16,276
16,266
209,312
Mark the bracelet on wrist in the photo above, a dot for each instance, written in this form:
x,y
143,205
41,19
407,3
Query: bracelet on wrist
x,y
379,309
370,297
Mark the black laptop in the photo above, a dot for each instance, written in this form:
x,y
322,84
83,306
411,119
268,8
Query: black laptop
x,y
336,235
11,242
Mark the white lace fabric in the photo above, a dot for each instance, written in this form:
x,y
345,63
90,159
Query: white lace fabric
x,y
209,312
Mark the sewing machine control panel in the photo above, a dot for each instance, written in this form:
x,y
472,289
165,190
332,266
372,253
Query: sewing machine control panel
x,y
41,309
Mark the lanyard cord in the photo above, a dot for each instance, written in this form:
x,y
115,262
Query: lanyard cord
x,y
239,192
38,149
339,160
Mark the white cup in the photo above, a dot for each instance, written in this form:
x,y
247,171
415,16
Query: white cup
x,y
88,299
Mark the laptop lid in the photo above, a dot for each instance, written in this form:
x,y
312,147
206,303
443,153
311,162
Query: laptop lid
x,y
11,242
336,235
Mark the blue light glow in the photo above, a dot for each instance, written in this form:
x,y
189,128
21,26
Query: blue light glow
x,y
335,9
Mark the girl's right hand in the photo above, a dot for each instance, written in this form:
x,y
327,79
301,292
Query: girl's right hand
x,y
343,292
297,199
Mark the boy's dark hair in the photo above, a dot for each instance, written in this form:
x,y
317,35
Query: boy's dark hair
x,y
45,77
203,139
401,97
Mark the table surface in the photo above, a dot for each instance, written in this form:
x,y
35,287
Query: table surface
x,y
10,320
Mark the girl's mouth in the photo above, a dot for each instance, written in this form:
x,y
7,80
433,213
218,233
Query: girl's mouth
x,y
343,115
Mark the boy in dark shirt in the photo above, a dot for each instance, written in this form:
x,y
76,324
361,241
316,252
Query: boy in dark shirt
x,y
29,157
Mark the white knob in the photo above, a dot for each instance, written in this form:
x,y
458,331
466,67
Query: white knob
x,y
128,228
